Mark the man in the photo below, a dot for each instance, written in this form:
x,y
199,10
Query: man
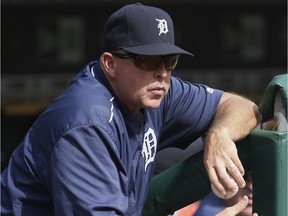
x,y
92,151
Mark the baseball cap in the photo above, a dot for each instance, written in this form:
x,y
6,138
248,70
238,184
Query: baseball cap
x,y
141,29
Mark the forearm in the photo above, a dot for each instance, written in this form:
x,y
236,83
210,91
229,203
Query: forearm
x,y
236,116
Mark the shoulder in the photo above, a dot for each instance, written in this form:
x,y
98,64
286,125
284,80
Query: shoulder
x,y
186,88
191,95
86,101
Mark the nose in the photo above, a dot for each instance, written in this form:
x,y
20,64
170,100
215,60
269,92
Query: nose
x,y
162,72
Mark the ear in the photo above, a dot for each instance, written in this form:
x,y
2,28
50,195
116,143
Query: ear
x,y
107,64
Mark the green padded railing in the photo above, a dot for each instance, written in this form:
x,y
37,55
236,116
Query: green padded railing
x,y
269,153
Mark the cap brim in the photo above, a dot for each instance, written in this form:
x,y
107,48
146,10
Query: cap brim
x,y
156,49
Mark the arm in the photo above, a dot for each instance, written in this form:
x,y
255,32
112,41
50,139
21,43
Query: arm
x,y
235,209
235,118
85,177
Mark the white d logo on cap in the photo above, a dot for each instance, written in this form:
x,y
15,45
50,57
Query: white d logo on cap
x,y
162,25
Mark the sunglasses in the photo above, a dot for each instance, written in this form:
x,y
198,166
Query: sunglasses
x,y
150,63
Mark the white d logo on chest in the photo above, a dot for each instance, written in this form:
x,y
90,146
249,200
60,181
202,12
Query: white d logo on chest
x,y
149,147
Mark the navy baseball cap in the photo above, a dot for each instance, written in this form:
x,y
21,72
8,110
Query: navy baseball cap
x,y
141,29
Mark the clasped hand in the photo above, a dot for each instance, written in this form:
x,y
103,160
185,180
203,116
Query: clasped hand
x,y
222,163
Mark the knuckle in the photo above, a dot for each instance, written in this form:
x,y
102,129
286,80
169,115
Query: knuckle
x,y
223,178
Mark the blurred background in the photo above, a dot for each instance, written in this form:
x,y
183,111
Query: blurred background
x,y
239,45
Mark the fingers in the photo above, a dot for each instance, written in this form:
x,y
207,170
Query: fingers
x,y
222,163
227,184
236,171
215,182
226,179
235,209
238,164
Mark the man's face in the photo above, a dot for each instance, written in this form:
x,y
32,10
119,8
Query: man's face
x,y
139,86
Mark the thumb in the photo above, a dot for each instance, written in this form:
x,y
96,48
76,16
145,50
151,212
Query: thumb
x,y
235,209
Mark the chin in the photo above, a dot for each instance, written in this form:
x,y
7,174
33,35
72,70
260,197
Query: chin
x,y
153,105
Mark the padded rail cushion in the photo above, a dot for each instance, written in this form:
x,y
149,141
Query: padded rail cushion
x,y
277,85
270,179
269,153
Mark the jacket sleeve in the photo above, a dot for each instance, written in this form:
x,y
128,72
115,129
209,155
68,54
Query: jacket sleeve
x,y
86,174
188,112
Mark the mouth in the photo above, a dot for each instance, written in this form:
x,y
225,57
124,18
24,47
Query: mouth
x,y
158,91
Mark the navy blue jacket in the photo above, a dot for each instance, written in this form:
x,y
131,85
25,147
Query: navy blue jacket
x,y
88,155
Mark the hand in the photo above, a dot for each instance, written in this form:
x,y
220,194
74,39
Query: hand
x,y
222,161
235,209
236,116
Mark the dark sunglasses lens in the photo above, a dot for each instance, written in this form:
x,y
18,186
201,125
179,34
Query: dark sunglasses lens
x,y
148,63
154,62
171,62
151,63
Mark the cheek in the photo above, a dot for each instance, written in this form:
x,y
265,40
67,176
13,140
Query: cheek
x,y
131,86
134,85
168,84
137,83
